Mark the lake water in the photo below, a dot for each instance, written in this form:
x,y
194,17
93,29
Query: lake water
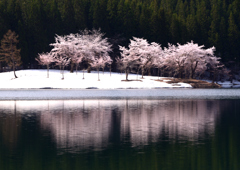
x,y
125,134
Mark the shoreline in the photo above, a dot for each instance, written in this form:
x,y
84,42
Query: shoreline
x,y
164,93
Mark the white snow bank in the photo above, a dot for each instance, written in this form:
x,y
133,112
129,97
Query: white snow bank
x,y
36,79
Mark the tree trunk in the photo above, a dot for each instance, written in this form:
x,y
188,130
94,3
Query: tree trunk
x,y
127,74
214,76
162,72
110,70
191,73
137,73
185,73
13,61
76,68
193,70
170,73
142,72
180,72
48,71
72,64
89,69
98,74
14,69
63,74
62,71
149,71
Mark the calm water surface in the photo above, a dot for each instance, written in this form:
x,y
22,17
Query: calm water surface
x,y
124,134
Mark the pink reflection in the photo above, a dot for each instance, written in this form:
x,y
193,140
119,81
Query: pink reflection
x,y
88,124
78,127
183,120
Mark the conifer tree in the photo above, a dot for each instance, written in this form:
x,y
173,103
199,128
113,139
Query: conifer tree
x,y
10,51
80,11
143,21
100,15
223,37
174,29
67,14
112,15
191,26
213,32
233,35
54,17
202,15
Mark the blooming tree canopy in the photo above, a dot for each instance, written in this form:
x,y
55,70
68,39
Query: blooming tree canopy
x,y
131,56
90,46
45,59
139,54
75,48
61,52
193,57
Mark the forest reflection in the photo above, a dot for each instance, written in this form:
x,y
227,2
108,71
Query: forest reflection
x,y
77,125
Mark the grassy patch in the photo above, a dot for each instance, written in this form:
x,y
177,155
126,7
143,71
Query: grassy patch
x,y
194,83
131,80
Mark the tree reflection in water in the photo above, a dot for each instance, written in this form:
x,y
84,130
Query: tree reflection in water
x,y
76,125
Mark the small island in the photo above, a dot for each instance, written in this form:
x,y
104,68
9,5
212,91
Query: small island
x,y
145,65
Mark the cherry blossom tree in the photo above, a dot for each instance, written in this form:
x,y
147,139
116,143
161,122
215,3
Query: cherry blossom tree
x,y
167,60
77,59
106,61
148,59
98,48
68,48
158,57
62,62
79,46
195,57
140,54
142,49
100,62
92,46
96,63
109,62
175,61
131,57
189,59
79,52
214,64
45,59
129,60
88,45
61,53
120,65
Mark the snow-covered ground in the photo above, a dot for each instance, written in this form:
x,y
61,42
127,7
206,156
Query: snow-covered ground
x,y
36,79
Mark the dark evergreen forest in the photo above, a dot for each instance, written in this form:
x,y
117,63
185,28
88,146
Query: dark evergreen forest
x,y
207,22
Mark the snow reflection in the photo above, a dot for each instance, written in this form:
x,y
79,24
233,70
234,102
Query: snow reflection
x,y
77,125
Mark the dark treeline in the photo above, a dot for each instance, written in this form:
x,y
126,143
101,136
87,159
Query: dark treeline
x,y
209,22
